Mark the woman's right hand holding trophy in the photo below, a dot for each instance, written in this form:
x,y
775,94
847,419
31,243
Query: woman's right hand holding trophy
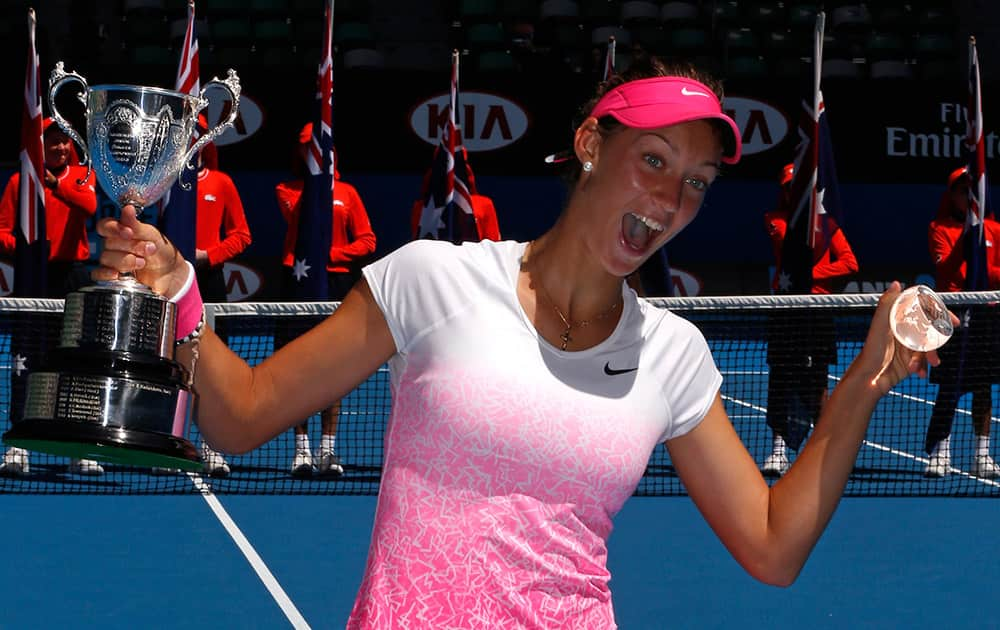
x,y
133,246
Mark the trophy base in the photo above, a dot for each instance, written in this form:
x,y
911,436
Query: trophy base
x,y
115,445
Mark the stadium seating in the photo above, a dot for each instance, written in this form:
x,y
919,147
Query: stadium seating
x,y
891,38
358,58
635,13
679,13
495,61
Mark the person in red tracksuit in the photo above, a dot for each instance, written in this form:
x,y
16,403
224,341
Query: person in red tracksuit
x,y
352,241
219,211
799,362
968,360
69,205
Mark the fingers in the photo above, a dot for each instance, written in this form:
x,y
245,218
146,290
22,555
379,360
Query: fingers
x,y
890,294
127,245
124,226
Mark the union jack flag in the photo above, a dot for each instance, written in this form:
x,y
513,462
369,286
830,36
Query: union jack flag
x,y
31,255
447,212
315,216
178,218
816,210
974,236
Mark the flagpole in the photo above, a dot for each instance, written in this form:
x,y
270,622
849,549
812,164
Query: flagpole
x,y
818,58
816,105
453,104
974,137
609,59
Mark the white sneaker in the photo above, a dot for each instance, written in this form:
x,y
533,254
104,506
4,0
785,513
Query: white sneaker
x,y
215,463
302,464
329,464
776,464
938,465
86,467
984,467
15,462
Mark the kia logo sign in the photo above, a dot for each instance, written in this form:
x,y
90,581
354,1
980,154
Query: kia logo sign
x,y
6,279
242,282
248,120
762,125
488,121
684,284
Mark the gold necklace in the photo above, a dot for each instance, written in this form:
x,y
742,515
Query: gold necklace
x,y
570,325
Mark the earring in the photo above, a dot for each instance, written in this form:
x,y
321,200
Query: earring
x,y
588,166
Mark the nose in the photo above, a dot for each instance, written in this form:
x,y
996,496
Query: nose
x,y
666,192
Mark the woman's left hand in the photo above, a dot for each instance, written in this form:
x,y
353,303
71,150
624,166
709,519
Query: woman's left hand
x,y
883,359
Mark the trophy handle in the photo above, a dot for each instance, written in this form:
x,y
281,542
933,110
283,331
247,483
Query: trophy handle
x,y
57,80
232,85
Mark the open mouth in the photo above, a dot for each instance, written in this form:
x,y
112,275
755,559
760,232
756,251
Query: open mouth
x,y
639,230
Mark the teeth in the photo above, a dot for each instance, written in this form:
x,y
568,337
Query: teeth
x,y
651,224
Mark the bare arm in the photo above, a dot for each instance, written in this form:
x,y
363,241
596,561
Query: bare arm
x,y
771,531
241,407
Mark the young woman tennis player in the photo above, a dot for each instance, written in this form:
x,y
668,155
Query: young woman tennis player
x,y
530,386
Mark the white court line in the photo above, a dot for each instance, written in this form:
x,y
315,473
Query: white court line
x,y
893,392
256,562
923,460
882,447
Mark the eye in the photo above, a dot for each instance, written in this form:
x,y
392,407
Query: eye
x,y
698,184
653,160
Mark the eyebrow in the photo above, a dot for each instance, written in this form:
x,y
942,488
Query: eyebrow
x,y
716,164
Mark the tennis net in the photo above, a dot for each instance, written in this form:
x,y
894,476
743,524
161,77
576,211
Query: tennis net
x,y
768,349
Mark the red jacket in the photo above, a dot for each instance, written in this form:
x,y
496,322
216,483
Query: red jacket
x,y
352,237
67,208
835,262
219,206
483,212
947,251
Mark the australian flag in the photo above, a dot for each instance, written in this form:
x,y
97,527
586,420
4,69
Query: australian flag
x,y
178,219
31,256
31,253
315,216
974,236
816,210
447,212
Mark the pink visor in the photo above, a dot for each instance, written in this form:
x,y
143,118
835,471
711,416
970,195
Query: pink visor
x,y
661,101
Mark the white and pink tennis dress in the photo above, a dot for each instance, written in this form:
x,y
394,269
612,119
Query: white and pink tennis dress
x,y
505,457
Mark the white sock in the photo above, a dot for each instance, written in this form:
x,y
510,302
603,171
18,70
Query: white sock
x,y
982,446
942,448
327,442
302,442
778,444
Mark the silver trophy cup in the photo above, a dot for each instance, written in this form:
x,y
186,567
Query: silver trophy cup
x,y
111,390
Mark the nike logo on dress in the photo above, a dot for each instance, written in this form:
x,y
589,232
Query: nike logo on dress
x,y
610,371
687,92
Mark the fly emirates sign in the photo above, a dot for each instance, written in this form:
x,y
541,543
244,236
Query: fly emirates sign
x,y
945,138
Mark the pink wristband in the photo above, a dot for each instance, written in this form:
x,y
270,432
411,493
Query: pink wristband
x,y
190,308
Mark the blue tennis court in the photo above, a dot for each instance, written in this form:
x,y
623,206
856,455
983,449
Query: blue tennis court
x,y
167,562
